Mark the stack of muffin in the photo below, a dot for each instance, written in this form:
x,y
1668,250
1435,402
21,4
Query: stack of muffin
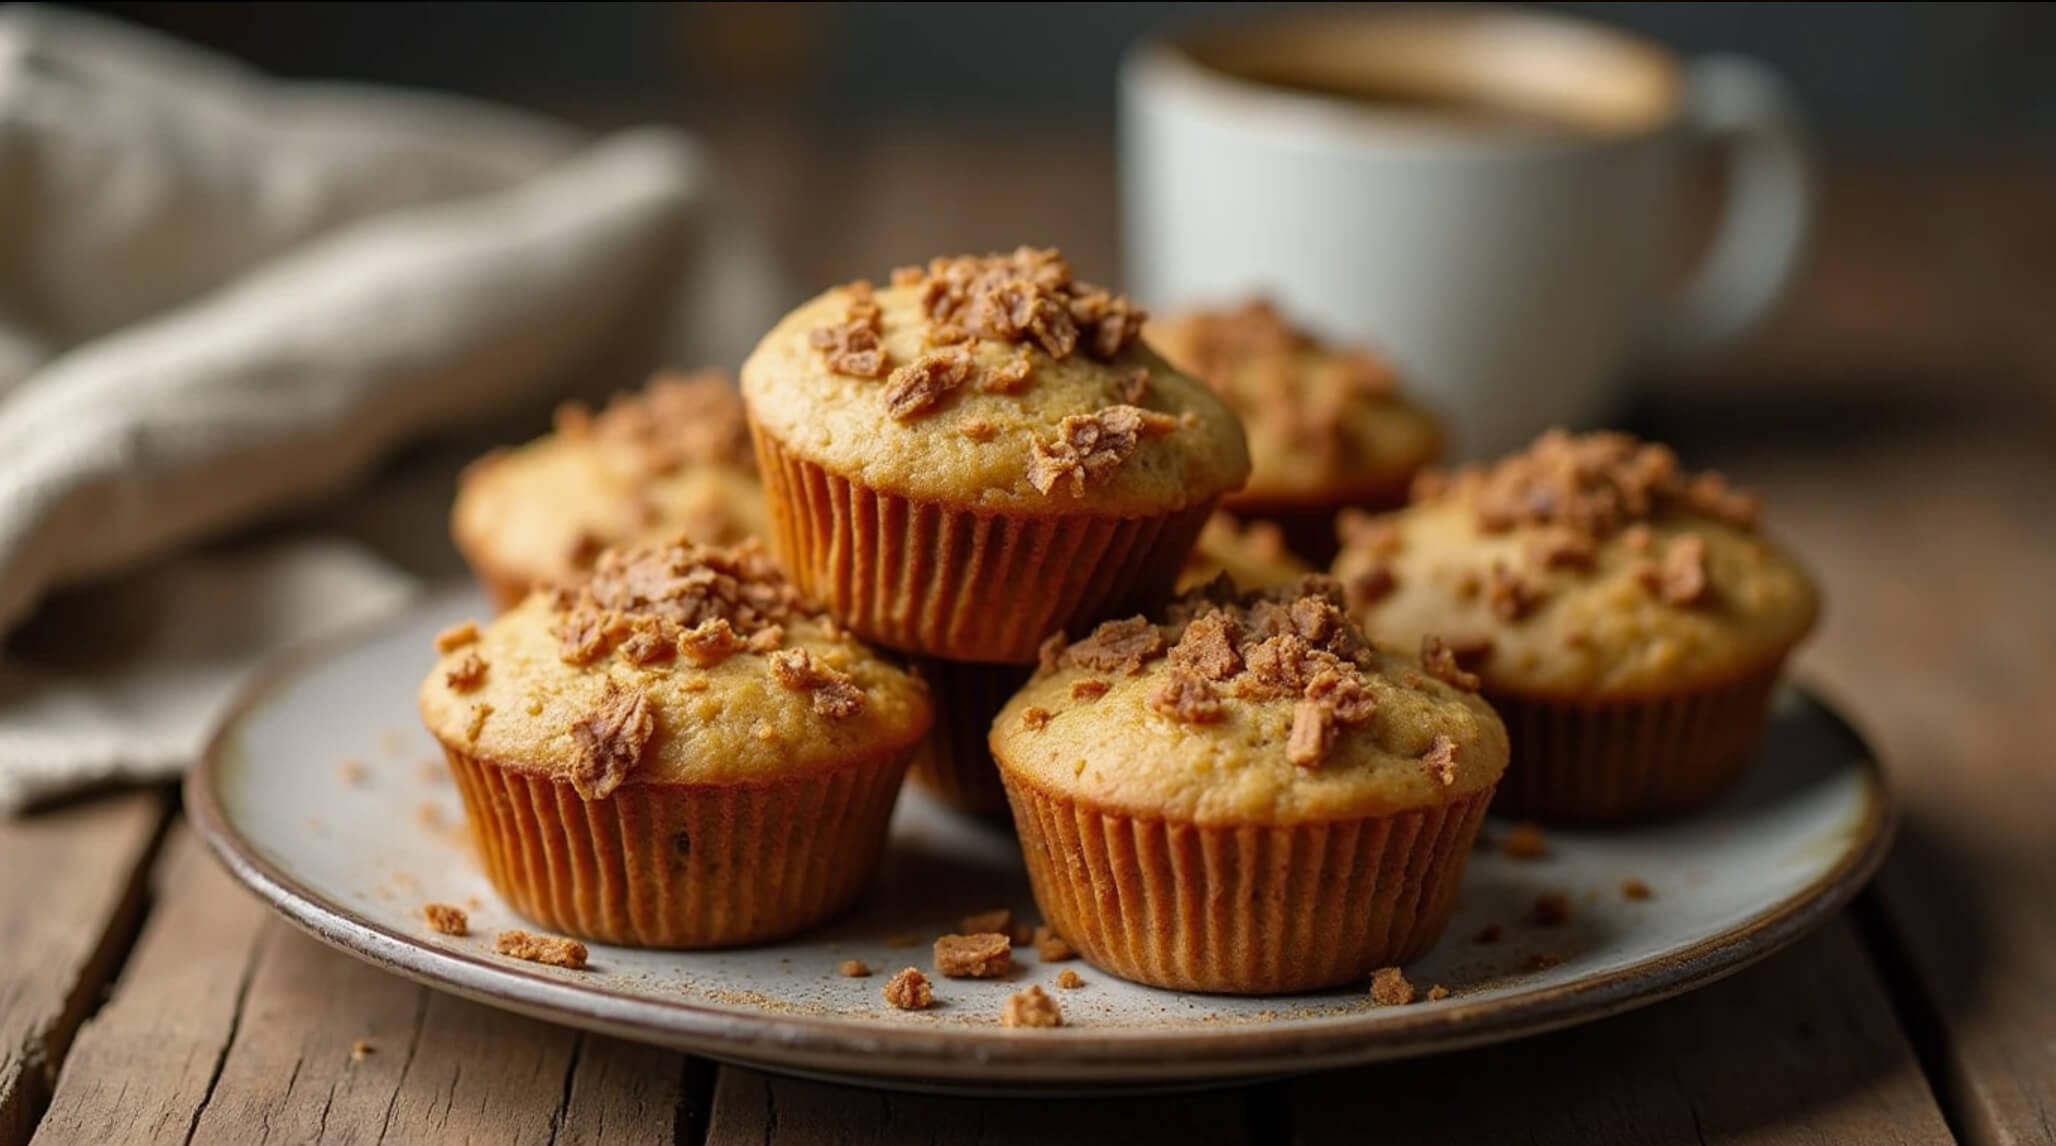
x,y
980,485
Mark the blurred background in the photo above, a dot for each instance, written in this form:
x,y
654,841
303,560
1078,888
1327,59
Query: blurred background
x,y
1937,121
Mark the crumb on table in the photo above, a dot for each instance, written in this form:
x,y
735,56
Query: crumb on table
x,y
1552,909
853,969
361,1050
551,949
1437,993
1389,988
1069,980
353,772
446,919
909,990
1490,933
985,956
1053,948
1030,1008
1524,841
1635,889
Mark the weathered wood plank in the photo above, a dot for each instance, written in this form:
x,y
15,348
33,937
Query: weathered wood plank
x,y
624,1092
1802,1049
770,1110
1939,559
71,895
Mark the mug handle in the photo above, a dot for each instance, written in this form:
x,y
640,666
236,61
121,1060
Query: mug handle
x,y
1769,192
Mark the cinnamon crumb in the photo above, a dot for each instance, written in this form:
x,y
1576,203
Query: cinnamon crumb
x,y
999,919
851,347
1439,661
1118,646
1437,993
1089,688
1207,647
835,695
1010,377
1635,889
1088,448
1441,760
553,950
1490,933
1051,947
1560,549
1312,735
456,637
1638,538
649,640
1552,909
909,990
1031,1008
1186,697
1069,980
1035,718
361,1050
446,920
1596,485
1682,579
853,969
1130,389
353,772
768,639
1524,841
1028,296
978,430
467,673
1389,988
610,740
709,643
916,388
1510,597
984,956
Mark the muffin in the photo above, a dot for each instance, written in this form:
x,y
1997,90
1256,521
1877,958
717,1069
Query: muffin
x,y
1627,618
1328,427
982,454
678,752
1254,554
1246,797
674,459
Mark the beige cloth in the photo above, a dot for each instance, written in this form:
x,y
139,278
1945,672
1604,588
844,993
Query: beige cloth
x,y
222,295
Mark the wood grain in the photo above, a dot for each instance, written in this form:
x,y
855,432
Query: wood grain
x,y
771,1110
1801,1049
71,895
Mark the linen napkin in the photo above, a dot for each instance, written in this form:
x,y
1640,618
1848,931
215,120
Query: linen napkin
x,y
222,296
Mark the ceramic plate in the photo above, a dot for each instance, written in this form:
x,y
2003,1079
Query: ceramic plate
x,y
323,794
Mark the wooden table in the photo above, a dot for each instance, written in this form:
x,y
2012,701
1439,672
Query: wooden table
x,y
1899,421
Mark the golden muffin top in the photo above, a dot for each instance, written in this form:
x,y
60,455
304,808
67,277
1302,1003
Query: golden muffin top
x,y
1586,566
1253,554
672,663
673,460
1324,422
1001,381
1266,707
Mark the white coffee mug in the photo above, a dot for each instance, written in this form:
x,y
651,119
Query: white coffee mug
x,y
1488,195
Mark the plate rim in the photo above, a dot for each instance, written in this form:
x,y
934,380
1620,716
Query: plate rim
x,y
880,1053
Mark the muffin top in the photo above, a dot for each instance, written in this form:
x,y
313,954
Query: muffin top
x,y
1323,421
672,663
674,459
1001,381
1264,707
1586,566
1253,554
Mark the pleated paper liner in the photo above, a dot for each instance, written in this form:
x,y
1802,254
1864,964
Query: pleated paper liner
x,y
955,763
1630,760
680,865
1255,910
1308,523
937,580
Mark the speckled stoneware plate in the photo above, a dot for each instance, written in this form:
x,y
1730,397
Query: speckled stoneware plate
x,y
323,793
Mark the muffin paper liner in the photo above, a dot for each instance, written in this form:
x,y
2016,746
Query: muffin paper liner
x,y
955,763
929,578
680,865
1630,760
1251,910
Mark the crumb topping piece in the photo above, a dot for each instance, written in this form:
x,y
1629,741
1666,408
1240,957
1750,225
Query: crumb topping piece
x,y
1524,842
1490,933
456,637
1090,688
1635,889
1594,485
445,919
1389,988
610,740
853,969
1551,909
852,346
1070,980
1031,1008
362,1049
1028,296
1089,448
916,388
1681,577
983,956
1439,660
677,420
1051,947
467,674
1035,718
553,950
1437,993
1441,760
1123,646
909,990
835,695
684,585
